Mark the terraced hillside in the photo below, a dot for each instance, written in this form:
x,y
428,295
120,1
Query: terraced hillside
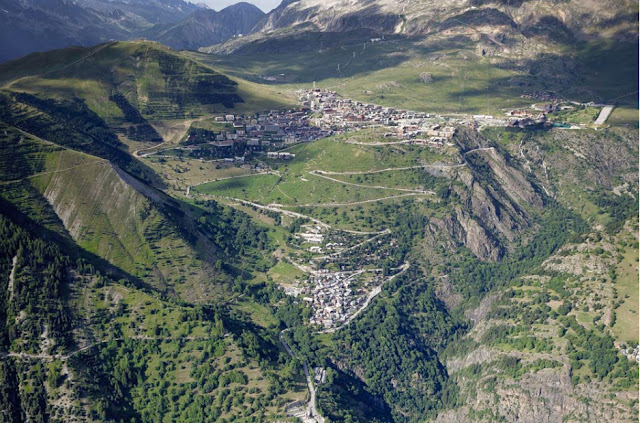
x,y
116,78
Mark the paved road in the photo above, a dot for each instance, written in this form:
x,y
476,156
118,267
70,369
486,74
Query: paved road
x,y
417,191
367,172
277,208
312,411
479,149
377,144
355,203
437,166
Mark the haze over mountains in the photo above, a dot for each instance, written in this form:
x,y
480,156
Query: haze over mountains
x,y
29,25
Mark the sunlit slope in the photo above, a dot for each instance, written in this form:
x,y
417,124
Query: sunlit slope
x,y
154,80
110,215
440,72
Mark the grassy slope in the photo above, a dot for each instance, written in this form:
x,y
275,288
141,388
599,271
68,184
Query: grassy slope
x,y
388,73
135,69
626,326
296,185
105,216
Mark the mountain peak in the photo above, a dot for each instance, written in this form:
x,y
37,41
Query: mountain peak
x,y
207,26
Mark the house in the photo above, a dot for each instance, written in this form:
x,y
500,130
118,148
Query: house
x,y
311,237
518,112
280,155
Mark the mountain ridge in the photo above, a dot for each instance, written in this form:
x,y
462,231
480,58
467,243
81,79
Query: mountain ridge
x,y
206,27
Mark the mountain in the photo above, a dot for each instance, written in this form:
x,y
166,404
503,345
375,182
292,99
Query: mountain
x,y
609,18
156,81
359,212
97,260
29,26
145,12
519,28
506,50
205,27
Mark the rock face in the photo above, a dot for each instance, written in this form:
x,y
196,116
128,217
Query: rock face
x,y
574,19
506,26
206,27
499,201
468,232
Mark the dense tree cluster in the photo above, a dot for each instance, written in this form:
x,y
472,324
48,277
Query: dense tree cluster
x,y
232,230
36,271
396,344
474,278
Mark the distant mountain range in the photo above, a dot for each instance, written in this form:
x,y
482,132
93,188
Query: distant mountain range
x,y
206,27
39,25
497,24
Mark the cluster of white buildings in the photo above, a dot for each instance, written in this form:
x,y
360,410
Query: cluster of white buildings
x,y
276,128
332,298
312,234
432,135
319,375
283,155
339,114
346,113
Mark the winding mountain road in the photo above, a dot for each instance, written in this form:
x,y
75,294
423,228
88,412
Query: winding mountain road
x,y
311,410
417,191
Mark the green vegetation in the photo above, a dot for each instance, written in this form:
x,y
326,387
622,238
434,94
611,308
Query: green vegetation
x,y
386,344
474,278
167,347
297,184
123,303
68,123
625,326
